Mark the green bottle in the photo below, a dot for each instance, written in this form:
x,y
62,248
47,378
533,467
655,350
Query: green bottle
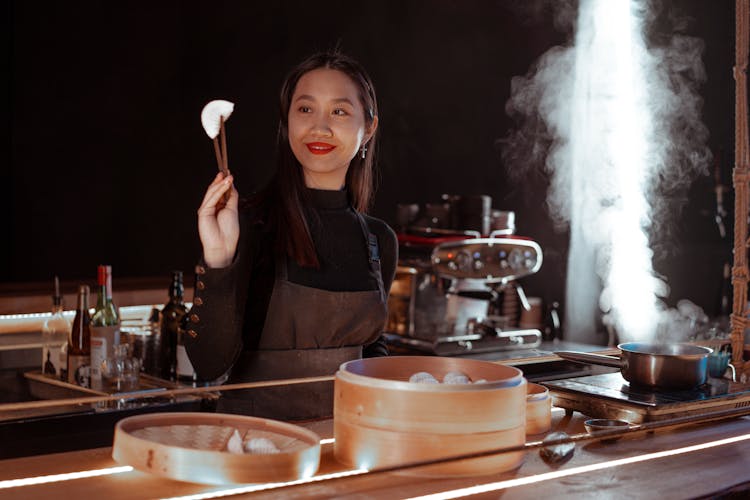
x,y
105,326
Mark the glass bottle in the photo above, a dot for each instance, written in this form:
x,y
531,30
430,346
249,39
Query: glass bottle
x,y
79,341
152,345
55,332
185,372
105,326
171,315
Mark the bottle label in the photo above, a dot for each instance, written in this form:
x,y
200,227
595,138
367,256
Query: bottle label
x,y
98,354
78,370
103,342
55,333
52,361
184,366
63,364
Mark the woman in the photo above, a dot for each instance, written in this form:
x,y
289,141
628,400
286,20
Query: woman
x,y
296,282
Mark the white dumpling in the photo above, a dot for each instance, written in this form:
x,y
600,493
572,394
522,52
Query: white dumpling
x,y
260,446
212,114
423,378
234,445
456,378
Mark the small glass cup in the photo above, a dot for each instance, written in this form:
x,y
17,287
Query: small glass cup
x,y
121,373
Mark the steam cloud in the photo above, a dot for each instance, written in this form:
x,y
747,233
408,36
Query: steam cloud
x,y
614,118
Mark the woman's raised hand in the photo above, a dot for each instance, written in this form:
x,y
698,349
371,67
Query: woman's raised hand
x,y
218,222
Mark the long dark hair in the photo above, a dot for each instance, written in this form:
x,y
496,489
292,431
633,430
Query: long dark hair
x,y
285,195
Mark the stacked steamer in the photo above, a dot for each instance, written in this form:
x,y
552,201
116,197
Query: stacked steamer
x,y
381,419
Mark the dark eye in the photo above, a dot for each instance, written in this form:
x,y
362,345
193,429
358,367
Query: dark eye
x,y
305,109
340,112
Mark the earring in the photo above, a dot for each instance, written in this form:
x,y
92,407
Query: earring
x,y
364,151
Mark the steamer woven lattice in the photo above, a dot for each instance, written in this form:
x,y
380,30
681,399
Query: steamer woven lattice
x,y
193,447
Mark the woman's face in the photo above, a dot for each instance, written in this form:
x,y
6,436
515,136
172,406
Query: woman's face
x,y
326,126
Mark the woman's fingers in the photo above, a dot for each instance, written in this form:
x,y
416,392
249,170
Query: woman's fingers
x,y
232,197
218,221
214,194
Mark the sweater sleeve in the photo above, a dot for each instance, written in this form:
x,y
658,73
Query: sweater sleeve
x,y
214,336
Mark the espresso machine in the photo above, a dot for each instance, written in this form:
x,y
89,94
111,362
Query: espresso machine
x,y
457,286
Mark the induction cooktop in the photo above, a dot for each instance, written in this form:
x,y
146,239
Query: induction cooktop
x,y
611,396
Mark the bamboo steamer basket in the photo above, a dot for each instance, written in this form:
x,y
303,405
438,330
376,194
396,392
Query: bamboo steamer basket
x,y
538,409
192,447
382,420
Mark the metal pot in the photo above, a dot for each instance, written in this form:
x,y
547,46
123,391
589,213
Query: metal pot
x,y
663,366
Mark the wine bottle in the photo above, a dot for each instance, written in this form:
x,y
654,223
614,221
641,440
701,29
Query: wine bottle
x,y
55,332
105,326
153,353
185,372
79,341
171,315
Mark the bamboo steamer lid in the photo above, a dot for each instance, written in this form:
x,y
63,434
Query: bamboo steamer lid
x,y
382,420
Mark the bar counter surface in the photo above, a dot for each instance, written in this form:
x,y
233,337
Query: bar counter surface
x,y
693,461
686,462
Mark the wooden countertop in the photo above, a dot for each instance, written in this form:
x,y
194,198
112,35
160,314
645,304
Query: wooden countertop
x,y
692,461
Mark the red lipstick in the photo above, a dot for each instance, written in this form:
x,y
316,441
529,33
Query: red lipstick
x,y
320,148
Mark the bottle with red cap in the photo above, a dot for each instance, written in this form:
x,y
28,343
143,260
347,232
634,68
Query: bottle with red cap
x,y
105,326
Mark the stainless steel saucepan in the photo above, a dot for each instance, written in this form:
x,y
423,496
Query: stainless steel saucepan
x,y
662,366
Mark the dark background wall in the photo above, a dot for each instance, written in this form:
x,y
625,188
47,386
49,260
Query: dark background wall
x,y
105,159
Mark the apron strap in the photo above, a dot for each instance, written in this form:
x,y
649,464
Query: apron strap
x,y
373,252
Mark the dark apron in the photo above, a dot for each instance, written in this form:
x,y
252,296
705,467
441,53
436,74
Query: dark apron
x,y
308,332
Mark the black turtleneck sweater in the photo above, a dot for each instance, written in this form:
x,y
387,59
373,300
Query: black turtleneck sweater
x,y
229,307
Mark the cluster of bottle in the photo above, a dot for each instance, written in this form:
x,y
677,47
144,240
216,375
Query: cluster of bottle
x,y
84,353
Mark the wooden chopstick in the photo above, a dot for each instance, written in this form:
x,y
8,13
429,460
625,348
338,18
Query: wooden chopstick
x,y
222,159
224,155
29,405
217,152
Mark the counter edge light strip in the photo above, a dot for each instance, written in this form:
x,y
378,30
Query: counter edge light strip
x,y
67,476
511,483
240,490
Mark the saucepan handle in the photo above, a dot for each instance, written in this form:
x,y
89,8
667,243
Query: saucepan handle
x,y
586,357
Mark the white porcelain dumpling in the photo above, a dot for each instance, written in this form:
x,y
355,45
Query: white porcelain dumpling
x,y
423,378
455,378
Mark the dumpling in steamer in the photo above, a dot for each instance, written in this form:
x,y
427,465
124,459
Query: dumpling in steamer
x,y
260,446
454,378
423,378
234,444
